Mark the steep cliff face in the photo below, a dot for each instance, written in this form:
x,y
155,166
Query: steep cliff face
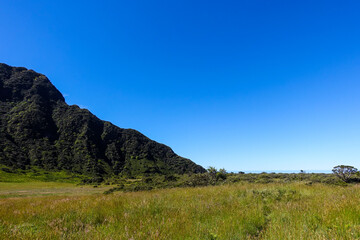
x,y
38,128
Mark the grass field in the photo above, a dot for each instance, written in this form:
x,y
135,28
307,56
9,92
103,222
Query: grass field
x,y
233,211
32,189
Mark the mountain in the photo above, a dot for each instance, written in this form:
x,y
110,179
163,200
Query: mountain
x,y
38,128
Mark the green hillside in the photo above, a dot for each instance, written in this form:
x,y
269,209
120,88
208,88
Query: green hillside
x,y
39,129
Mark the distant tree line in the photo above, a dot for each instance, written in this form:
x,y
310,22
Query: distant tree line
x,y
342,175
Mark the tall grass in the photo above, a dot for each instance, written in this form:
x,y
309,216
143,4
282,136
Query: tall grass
x,y
236,211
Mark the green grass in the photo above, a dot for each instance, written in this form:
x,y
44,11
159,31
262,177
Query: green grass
x,y
32,189
37,175
231,211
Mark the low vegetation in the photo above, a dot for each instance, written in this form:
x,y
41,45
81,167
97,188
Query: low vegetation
x,y
213,205
220,177
232,211
36,174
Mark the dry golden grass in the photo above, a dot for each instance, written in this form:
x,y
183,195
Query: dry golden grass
x,y
237,211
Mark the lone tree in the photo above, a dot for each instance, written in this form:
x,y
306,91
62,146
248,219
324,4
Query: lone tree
x,y
344,172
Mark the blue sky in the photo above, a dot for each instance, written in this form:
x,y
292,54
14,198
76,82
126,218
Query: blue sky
x,y
243,85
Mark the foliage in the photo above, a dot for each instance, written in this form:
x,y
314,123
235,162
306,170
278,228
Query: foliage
x,y
344,172
221,177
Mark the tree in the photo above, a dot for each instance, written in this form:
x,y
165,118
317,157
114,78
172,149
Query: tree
x,y
212,171
221,174
344,172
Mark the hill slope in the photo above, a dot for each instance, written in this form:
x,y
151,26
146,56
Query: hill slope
x,y
38,128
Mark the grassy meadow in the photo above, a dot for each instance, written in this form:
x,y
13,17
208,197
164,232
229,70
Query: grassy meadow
x,y
241,210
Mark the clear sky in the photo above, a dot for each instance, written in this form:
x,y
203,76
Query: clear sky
x,y
243,85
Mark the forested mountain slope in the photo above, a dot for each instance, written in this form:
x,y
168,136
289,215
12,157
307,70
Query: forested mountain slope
x,y
38,128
